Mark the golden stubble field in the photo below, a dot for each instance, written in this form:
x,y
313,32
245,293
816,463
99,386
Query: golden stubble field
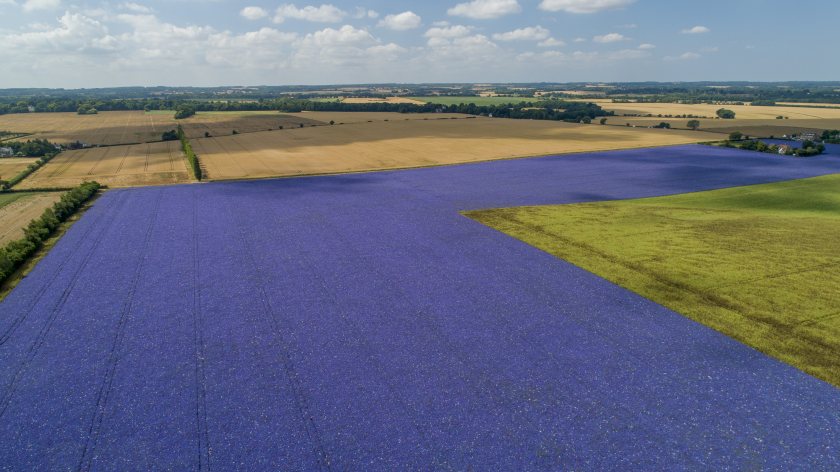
x,y
347,117
742,112
403,144
130,127
16,215
115,166
761,128
751,120
12,166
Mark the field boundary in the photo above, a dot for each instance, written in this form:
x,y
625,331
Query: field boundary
x,y
192,158
452,164
21,266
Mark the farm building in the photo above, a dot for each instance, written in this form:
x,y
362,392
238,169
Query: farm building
x,y
784,149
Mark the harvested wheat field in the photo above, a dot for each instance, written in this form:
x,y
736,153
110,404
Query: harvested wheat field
x,y
12,166
741,111
115,166
400,144
347,117
752,127
18,209
131,127
224,123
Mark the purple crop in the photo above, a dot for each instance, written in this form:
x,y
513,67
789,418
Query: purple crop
x,y
359,322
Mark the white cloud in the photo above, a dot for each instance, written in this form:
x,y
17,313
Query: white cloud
x,y
344,47
647,46
475,50
33,5
485,9
610,38
696,30
580,40
531,33
551,43
402,21
253,13
75,33
581,58
627,54
135,7
448,32
321,14
687,56
583,6
362,13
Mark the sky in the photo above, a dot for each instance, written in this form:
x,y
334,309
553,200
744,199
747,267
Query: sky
x,y
94,43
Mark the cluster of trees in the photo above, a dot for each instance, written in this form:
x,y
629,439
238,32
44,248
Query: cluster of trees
x,y
831,137
188,151
171,135
725,114
808,148
15,253
7,184
86,110
184,111
32,148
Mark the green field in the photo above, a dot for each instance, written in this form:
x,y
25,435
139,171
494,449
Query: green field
x,y
477,100
757,263
7,198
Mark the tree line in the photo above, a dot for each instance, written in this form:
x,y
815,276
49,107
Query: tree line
x,y
41,148
539,110
16,253
195,167
808,148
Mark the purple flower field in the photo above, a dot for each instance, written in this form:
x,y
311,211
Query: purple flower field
x,y
359,322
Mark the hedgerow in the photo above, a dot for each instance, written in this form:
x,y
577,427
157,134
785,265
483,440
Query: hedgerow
x,y
188,150
16,253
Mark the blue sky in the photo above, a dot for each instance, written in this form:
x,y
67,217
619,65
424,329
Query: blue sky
x,y
67,43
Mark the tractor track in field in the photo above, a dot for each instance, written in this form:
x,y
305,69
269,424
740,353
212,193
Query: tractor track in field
x,y
101,158
236,161
122,161
293,378
103,395
69,162
48,283
6,398
200,356
146,159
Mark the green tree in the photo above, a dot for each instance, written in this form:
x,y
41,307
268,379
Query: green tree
x,y
736,136
693,124
725,114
